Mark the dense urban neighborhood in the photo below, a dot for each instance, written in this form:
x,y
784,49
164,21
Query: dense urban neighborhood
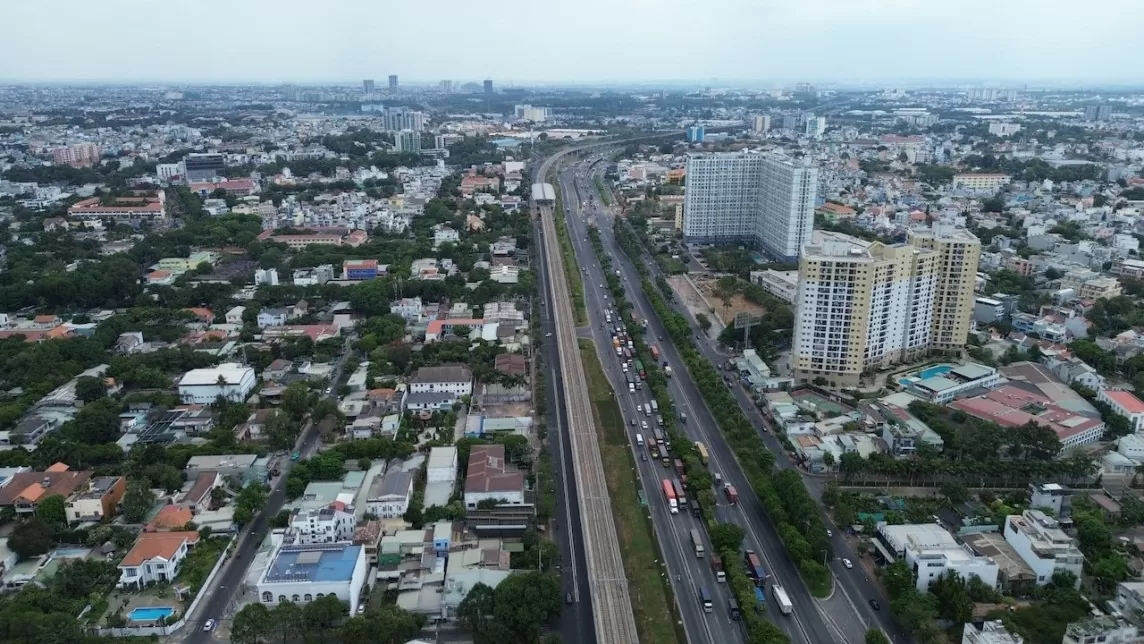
x,y
464,361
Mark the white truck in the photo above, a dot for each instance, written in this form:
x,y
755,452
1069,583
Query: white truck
x,y
785,607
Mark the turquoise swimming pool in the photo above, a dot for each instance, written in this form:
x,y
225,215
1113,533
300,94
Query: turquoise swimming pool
x,y
150,614
929,372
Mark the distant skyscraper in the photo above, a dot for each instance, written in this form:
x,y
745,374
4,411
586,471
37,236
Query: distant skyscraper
x,y
760,123
393,81
446,86
367,86
1097,112
488,86
762,200
396,119
81,155
695,134
815,126
407,141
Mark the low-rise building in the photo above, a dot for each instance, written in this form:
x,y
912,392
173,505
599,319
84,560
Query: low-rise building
x,y
24,491
781,284
246,468
302,573
1017,403
1103,629
455,379
234,316
930,551
1124,404
97,501
272,317
322,525
490,477
993,632
440,475
155,558
390,494
230,380
1043,545
959,381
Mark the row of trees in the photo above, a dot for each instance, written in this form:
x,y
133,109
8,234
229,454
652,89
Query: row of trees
x,y
323,620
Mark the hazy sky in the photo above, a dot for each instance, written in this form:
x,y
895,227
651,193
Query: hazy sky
x,y
569,40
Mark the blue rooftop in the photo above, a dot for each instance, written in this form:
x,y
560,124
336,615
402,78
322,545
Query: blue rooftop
x,y
319,562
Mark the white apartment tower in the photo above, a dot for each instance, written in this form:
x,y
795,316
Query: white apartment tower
x,y
762,200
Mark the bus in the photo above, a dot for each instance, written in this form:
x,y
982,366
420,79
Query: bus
x,y
705,600
697,541
702,449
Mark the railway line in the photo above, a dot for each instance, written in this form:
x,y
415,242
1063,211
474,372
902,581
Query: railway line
x,y
611,603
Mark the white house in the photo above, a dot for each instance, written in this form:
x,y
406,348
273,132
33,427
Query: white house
x,y
390,494
455,379
322,525
272,317
930,551
229,380
409,308
445,235
234,316
155,557
302,573
1043,545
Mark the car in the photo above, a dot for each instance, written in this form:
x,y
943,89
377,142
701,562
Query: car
x,y
643,424
208,626
847,563
660,337
632,422
829,534
643,456
568,598
875,604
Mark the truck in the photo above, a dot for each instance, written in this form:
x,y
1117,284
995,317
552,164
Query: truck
x,y
732,494
733,609
705,600
680,495
669,494
717,568
755,568
678,463
760,600
640,370
702,449
697,541
658,435
654,352
785,607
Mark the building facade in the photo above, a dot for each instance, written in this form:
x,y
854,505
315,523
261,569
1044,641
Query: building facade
x,y
303,573
955,275
203,167
763,200
1043,545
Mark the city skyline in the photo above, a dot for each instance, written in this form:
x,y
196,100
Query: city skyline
x,y
822,40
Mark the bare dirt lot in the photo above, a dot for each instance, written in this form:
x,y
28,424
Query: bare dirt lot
x,y
707,287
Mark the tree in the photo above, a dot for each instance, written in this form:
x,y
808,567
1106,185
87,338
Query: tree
x,y
955,491
726,536
322,615
250,500
287,621
30,539
875,636
53,511
388,624
252,625
89,388
898,578
137,501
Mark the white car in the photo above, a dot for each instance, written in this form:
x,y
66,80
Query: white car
x,y
846,562
829,534
208,626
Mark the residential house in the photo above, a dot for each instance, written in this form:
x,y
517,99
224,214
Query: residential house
x,y
171,518
1124,404
234,316
272,317
129,342
25,491
1073,369
97,501
277,370
332,524
390,494
155,558
198,497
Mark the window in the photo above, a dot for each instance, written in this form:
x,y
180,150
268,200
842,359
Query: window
x,y
309,597
295,598
282,598
267,597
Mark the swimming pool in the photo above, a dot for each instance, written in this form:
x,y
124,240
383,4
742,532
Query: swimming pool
x,y
72,553
934,371
150,614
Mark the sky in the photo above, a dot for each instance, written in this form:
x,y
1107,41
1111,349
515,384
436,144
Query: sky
x,y
570,41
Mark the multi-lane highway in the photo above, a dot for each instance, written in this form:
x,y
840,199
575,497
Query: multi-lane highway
x,y
809,622
687,572
847,611
611,605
